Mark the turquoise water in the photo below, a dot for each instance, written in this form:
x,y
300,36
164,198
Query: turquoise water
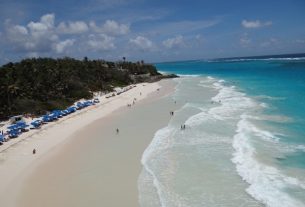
x,y
244,142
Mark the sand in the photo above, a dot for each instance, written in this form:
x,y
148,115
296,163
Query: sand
x,y
82,160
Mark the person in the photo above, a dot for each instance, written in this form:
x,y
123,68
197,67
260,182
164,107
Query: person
x,y
34,151
117,130
140,94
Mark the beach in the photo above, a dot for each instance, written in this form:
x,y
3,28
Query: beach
x,y
83,160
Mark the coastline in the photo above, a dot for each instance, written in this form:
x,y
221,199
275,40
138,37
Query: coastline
x,y
18,162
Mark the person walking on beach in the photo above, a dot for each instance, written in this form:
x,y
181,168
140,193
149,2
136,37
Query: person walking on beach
x,y
34,151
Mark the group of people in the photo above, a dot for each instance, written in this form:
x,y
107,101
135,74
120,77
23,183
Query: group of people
x,y
133,103
183,127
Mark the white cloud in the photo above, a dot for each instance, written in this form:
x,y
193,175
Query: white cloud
x,y
42,27
110,27
61,47
34,37
255,24
181,27
175,42
142,43
72,27
101,42
16,33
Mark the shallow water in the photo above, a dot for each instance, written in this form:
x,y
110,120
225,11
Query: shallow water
x,y
244,140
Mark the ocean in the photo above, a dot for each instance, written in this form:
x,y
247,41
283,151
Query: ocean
x,y
244,138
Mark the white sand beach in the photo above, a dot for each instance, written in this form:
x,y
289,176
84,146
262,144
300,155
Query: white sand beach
x,y
64,146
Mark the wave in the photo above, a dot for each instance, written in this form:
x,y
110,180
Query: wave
x,y
161,142
267,184
186,75
270,97
257,59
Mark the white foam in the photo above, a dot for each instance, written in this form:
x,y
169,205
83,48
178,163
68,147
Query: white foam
x,y
228,104
187,76
160,143
267,184
270,97
273,118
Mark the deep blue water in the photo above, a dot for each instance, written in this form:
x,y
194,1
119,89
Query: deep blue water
x,y
279,83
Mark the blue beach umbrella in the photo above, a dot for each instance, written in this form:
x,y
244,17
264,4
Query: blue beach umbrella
x,y
11,127
21,125
13,133
46,118
71,109
80,105
36,123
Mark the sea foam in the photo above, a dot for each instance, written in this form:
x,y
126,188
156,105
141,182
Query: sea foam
x,y
267,184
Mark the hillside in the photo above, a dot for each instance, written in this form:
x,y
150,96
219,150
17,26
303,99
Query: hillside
x,y
38,85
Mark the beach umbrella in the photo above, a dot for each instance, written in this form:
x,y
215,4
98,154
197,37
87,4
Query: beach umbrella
x,y
47,118
36,123
21,125
13,133
14,126
72,109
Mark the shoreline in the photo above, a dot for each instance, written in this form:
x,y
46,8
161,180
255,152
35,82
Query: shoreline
x,y
19,158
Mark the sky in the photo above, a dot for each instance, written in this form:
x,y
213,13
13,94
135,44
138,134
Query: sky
x,y
150,30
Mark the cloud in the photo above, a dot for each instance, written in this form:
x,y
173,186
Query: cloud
x,y
110,27
255,24
141,43
34,37
45,24
44,36
181,27
72,27
175,42
100,42
61,46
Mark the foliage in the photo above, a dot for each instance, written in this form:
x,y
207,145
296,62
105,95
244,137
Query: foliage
x,y
40,84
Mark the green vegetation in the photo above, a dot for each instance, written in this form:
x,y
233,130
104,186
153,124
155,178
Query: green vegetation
x,y
38,85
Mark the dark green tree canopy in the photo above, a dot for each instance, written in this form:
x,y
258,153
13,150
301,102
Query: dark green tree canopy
x,y
40,84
